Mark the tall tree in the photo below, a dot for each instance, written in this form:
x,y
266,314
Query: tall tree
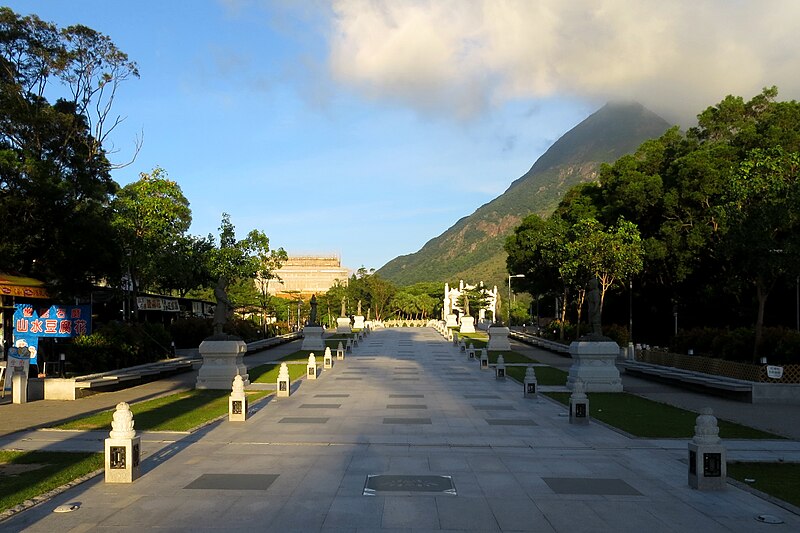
x,y
55,184
151,216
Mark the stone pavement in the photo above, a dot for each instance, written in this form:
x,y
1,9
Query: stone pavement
x,y
408,403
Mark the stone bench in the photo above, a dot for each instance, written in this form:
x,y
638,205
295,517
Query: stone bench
x,y
735,388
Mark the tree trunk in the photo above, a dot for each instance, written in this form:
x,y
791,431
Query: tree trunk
x,y
762,292
581,298
563,314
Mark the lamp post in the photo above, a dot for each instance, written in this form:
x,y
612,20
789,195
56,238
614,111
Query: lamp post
x,y
508,314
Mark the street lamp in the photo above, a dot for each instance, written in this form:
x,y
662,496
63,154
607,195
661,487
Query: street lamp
x,y
508,314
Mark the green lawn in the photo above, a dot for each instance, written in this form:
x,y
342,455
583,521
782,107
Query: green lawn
x,y
177,412
545,375
479,340
645,418
268,372
51,470
781,480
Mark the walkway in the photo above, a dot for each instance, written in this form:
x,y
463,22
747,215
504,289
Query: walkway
x,y
408,403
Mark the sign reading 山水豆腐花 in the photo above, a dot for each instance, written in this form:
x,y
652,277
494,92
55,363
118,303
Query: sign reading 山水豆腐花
x,y
56,321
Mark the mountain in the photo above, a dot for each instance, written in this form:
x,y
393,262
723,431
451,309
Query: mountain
x,y
472,249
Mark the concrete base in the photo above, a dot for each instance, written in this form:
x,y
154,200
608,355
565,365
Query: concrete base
x,y
467,324
222,361
707,466
19,388
358,322
498,339
594,364
122,459
578,411
237,409
312,338
529,387
343,325
451,321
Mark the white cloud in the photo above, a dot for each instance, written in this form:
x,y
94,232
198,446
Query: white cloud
x,y
464,56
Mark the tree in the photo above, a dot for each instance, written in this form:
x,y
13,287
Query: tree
x,y
763,218
235,260
151,217
55,184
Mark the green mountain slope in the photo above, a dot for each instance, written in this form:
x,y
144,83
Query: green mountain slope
x,y
472,249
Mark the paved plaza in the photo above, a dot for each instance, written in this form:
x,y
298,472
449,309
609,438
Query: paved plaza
x,y
406,434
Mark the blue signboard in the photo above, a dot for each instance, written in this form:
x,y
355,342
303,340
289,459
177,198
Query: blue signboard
x,y
57,321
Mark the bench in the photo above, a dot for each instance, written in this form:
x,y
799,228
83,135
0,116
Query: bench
x,y
734,388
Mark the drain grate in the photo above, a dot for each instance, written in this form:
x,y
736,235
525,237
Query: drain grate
x,y
402,485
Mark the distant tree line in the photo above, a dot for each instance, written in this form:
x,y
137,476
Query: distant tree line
x,y
703,224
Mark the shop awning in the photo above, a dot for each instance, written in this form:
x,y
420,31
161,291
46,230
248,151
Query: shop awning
x,y
22,287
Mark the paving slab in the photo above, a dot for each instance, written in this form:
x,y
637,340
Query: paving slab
x,y
515,464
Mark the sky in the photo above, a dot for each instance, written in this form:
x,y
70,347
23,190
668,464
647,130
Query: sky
x,y
364,128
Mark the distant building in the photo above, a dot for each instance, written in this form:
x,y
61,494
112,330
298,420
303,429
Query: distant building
x,y
308,275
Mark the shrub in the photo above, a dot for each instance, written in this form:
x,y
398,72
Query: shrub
x,y
617,333
190,332
778,345
117,345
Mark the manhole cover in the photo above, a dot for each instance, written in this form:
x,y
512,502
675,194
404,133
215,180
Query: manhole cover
x,y
405,484
769,519
67,507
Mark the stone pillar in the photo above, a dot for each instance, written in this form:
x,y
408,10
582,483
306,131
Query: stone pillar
x,y
500,368
327,359
484,359
343,325
707,457
462,347
529,383
311,367
595,364
222,361
312,338
284,385
19,385
467,324
578,404
471,351
122,448
340,352
237,402
498,339
455,338
349,347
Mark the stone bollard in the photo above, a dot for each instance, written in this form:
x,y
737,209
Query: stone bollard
x,y
578,404
484,359
284,385
349,347
529,383
500,368
311,367
471,351
122,448
19,386
462,346
707,463
355,341
455,338
237,402
327,359
340,352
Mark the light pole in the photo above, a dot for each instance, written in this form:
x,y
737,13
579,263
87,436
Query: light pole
x,y
508,314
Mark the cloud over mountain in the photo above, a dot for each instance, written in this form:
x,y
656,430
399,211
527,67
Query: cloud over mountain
x,y
464,56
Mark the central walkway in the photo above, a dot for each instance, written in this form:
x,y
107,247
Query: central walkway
x,y
407,403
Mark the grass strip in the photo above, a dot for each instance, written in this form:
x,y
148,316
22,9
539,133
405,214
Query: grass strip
x,y
645,418
781,480
177,412
268,372
545,375
49,470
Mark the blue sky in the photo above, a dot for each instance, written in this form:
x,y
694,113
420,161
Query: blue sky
x,y
367,128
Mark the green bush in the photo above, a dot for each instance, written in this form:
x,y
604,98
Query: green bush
x,y
617,333
117,345
778,345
